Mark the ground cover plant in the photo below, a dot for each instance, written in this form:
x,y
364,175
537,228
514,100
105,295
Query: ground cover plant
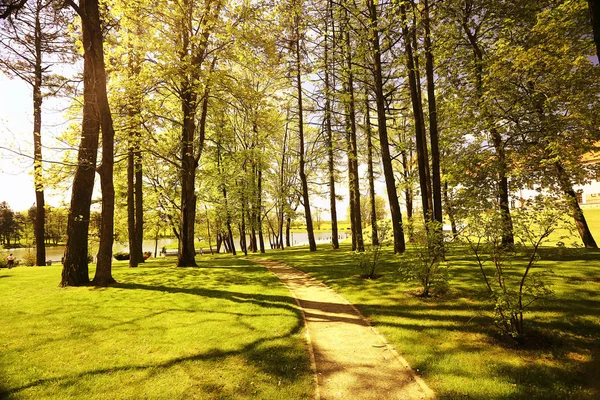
x,y
452,341
226,330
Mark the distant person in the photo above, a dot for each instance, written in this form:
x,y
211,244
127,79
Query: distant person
x,y
11,261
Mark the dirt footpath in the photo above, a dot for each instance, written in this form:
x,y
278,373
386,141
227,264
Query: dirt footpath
x,y
352,360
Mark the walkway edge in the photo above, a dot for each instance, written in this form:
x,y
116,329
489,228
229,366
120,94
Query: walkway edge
x,y
311,352
428,391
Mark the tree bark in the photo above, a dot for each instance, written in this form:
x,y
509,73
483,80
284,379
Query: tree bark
x,y
302,162
329,133
576,211
75,264
421,143
353,180
386,159
261,240
370,173
594,7
433,125
40,213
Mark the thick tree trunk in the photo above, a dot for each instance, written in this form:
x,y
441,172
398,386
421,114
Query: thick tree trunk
x,y
370,173
75,264
40,212
302,162
386,159
187,253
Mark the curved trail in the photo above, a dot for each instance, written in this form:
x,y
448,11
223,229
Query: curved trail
x,y
352,360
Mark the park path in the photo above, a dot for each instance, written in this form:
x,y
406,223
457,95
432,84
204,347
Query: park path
x,y
352,360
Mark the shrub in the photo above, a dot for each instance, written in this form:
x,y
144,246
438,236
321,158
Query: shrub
x,y
367,260
426,262
120,256
29,258
513,289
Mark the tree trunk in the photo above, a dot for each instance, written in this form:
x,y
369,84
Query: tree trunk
x,y
103,276
353,180
133,262
370,173
508,239
576,211
305,196
421,143
329,132
386,159
288,224
40,213
75,264
433,125
261,239
594,7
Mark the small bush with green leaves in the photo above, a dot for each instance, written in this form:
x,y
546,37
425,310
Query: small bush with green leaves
x,y
367,260
514,282
425,262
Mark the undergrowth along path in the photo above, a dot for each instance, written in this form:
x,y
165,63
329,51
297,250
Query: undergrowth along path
x,y
352,359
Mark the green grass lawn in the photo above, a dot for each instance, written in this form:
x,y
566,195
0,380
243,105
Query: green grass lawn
x,y
227,330
452,341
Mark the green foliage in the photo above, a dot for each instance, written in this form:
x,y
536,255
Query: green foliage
x,y
367,261
515,283
425,262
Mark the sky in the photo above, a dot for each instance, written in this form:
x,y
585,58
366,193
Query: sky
x,y
16,142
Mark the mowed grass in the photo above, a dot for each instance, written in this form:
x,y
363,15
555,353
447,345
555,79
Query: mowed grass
x,y
226,330
452,342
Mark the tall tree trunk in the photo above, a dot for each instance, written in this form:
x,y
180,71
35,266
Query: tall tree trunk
x,y
139,201
305,196
370,173
75,264
433,125
353,180
261,240
243,244
133,261
386,159
329,133
40,212
103,276
421,143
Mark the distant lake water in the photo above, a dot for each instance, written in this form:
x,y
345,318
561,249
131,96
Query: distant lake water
x,y
55,253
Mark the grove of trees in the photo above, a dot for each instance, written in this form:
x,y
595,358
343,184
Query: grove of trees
x,y
226,119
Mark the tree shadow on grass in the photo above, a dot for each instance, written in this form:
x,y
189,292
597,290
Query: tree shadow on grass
x,y
271,357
